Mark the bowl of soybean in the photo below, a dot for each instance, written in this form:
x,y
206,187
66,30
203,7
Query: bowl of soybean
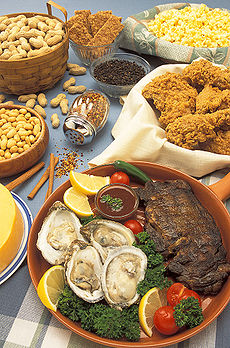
x,y
116,74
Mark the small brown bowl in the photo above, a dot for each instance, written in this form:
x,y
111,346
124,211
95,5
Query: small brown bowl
x,y
29,157
116,201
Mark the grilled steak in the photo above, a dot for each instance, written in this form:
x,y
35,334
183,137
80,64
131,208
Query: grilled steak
x,y
186,234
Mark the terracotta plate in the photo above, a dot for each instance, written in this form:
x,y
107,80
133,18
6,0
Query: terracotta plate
x,y
213,306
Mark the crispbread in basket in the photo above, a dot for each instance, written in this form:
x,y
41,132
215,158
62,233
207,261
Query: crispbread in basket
x,y
31,75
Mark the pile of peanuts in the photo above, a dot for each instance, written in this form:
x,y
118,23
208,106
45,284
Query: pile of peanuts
x,y
19,130
25,37
38,103
69,85
30,100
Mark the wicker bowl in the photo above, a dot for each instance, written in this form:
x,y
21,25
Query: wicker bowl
x,y
31,75
29,157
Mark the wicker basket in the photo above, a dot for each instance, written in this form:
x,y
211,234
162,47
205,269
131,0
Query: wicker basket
x,y
31,75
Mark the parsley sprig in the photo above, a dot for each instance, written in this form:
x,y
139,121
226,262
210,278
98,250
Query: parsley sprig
x,y
188,313
114,202
155,274
99,317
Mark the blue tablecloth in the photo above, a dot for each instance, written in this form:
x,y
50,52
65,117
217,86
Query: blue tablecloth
x,y
24,321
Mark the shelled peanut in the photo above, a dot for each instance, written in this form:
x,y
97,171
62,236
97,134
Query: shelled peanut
x,y
25,37
19,130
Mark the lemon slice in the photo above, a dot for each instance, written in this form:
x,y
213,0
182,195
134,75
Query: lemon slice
x,y
150,302
88,184
50,286
77,201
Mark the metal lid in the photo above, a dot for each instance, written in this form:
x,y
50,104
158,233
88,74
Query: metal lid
x,y
78,130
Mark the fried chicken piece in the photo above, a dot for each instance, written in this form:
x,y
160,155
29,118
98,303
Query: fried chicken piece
x,y
225,103
195,131
212,98
171,94
220,119
208,100
220,144
190,131
202,72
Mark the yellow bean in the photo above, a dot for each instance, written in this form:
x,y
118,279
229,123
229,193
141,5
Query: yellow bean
x,y
11,133
11,142
14,149
7,155
15,154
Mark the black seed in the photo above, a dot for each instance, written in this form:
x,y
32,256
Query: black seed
x,y
119,72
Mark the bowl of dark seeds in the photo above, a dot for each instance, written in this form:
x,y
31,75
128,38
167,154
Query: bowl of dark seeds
x,y
117,74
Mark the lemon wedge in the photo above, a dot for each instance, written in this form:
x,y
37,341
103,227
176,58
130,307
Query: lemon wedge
x,y
77,201
88,184
150,302
50,286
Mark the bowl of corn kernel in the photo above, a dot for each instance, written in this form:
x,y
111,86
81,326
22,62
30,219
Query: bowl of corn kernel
x,y
180,32
24,137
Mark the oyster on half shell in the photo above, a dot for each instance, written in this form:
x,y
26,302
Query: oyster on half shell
x,y
123,269
60,227
83,271
105,235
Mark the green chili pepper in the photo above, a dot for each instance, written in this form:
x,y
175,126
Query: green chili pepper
x,y
131,170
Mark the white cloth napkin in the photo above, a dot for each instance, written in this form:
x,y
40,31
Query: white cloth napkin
x,y
139,137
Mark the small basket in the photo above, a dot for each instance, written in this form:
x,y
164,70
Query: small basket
x,y
31,75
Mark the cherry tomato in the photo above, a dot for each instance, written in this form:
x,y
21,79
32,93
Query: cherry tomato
x,y
164,321
177,292
174,292
189,293
120,177
134,226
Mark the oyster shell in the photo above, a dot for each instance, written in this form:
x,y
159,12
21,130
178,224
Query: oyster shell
x,y
60,227
123,269
83,271
105,235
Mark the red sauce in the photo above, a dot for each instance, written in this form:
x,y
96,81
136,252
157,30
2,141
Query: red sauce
x,y
116,201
